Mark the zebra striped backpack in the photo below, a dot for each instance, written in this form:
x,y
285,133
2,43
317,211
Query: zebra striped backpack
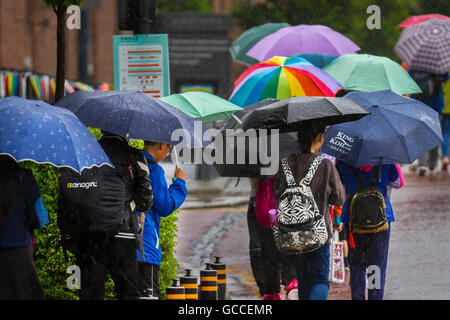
x,y
301,228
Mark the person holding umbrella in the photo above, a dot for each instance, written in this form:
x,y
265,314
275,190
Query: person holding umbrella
x,y
165,201
21,205
33,130
433,96
398,130
313,267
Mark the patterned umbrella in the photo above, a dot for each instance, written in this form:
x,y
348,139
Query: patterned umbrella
x,y
302,39
36,131
414,20
281,78
426,46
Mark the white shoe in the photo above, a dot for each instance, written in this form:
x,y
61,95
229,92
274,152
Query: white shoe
x,y
292,295
414,166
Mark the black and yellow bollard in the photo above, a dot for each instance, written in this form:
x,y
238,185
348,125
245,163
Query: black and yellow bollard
x,y
175,292
208,284
190,285
221,269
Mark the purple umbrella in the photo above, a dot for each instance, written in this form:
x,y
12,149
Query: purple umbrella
x,y
302,39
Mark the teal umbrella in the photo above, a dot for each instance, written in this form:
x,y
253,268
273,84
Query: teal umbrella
x,y
202,106
367,73
249,38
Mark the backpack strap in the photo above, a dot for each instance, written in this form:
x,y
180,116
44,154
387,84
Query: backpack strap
x,y
312,170
288,173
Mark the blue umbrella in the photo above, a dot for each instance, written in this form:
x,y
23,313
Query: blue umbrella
x,y
133,114
317,59
398,130
34,130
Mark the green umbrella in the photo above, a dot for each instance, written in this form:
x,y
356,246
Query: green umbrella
x,y
202,106
249,38
367,73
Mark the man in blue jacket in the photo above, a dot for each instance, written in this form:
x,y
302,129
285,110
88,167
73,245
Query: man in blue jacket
x,y
165,201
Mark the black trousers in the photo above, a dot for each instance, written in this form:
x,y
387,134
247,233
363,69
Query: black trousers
x,y
18,276
270,267
148,278
117,257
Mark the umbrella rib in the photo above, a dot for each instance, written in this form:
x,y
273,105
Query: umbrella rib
x,y
402,140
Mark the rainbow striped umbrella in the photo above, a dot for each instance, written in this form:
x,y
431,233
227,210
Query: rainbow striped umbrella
x,y
282,78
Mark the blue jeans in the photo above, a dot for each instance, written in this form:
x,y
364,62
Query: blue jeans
x,y
313,273
371,251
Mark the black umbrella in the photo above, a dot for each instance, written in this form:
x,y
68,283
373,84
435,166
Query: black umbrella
x,y
289,114
287,144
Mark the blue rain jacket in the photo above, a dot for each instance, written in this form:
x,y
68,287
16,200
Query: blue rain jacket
x,y
389,177
165,201
16,232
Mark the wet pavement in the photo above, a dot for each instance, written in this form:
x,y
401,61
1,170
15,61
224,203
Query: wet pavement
x,y
419,253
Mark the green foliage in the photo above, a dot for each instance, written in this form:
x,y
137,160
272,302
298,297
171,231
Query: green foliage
x,y
169,264
348,17
202,6
49,258
67,3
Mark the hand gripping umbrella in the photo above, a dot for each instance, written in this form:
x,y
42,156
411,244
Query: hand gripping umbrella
x,y
36,131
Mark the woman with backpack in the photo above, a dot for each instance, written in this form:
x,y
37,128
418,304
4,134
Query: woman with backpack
x,y
367,214
312,267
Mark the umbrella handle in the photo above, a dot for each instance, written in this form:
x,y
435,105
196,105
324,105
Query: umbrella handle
x,y
237,119
176,155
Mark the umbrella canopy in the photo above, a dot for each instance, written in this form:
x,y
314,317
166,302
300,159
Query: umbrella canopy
x,y
286,144
414,20
202,106
426,46
366,72
132,114
287,115
281,78
302,39
398,130
36,131
317,59
249,38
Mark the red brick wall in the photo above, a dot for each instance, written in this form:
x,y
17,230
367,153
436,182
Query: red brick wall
x,y
28,38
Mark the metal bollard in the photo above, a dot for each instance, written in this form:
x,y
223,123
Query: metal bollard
x,y
221,269
175,292
149,295
190,285
208,284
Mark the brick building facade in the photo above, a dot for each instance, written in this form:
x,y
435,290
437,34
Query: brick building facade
x,y
28,38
